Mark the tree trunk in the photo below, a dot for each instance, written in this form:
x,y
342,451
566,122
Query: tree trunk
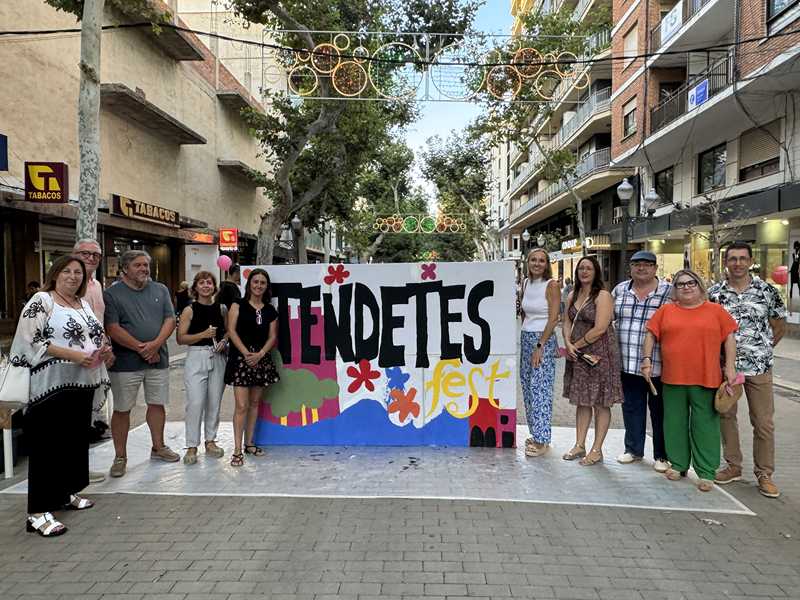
x,y
715,242
326,243
267,232
300,246
89,119
373,248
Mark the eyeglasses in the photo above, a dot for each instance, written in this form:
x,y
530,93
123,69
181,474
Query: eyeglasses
x,y
688,284
87,254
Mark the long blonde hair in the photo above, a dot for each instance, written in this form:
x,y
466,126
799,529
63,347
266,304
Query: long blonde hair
x,y
548,269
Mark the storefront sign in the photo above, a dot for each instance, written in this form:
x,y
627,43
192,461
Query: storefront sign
x,y
574,245
134,209
698,94
46,182
201,238
672,22
3,152
229,240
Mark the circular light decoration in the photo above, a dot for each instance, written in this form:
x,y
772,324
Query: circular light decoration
x,y
427,224
454,74
546,82
303,80
341,41
503,82
411,224
274,73
302,56
566,65
325,58
528,62
393,72
360,54
582,80
349,79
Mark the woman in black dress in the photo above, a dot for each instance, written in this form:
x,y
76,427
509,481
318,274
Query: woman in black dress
x,y
253,329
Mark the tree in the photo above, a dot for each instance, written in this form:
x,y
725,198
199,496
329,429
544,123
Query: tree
x,y
306,141
90,14
725,224
458,168
548,52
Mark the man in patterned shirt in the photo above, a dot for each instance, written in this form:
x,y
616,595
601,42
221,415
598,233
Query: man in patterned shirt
x,y
635,301
759,310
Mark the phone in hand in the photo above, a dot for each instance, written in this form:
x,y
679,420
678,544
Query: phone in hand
x,y
97,360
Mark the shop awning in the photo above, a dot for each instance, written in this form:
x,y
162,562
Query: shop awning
x,y
123,101
238,169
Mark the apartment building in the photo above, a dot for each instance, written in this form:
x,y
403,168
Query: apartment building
x,y
580,121
704,107
175,150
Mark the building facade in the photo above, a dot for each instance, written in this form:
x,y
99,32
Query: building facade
x,y
175,150
705,110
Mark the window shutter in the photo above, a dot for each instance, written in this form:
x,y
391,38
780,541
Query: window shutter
x,y
757,146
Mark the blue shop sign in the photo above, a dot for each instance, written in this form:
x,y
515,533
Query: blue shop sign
x,y
3,152
698,94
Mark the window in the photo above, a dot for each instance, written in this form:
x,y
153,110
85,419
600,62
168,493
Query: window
x,y
630,45
777,7
711,169
667,89
759,151
629,117
664,183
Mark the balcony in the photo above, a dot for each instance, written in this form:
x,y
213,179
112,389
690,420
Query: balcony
x,y
598,102
671,23
693,93
588,166
690,24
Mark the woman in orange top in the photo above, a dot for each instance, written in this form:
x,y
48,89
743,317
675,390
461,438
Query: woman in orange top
x,y
691,331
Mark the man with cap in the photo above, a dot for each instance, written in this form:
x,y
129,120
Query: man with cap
x,y
760,313
635,301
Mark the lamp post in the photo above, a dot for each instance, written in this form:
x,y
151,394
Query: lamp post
x,y
297,227
625,193
540,240
526,237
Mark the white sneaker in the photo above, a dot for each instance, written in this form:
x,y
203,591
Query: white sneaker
x,y
627,458
661,466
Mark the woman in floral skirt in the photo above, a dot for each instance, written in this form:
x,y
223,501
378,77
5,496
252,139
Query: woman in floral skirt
x,y
253,329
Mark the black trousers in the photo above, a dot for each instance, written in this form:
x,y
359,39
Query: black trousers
x,y
58,449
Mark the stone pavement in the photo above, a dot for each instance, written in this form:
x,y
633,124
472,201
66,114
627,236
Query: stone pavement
x,y
132,547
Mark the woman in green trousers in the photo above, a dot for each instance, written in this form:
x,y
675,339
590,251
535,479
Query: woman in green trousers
x,y
692,332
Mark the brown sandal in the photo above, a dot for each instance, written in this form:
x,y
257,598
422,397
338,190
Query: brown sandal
x,y
237,460
592,458
576,452
672,475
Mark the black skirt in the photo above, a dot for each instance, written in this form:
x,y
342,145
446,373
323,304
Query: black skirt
x,y
57,437
239,374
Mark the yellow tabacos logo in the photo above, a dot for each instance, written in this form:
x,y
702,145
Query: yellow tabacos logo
x,y
46,182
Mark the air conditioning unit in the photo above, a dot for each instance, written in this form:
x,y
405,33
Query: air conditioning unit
x,y
618,215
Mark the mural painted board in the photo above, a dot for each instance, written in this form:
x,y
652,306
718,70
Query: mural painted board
x,y
405,354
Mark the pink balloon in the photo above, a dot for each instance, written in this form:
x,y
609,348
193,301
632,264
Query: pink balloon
x,y
224,262
781,275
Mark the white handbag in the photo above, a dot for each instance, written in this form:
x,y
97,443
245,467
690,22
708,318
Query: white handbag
x,y
15,385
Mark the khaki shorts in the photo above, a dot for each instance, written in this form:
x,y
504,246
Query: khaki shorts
x,y
125,387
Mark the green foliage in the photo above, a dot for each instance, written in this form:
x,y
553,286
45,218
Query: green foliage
x,y
134,9
298,388
559,163
458,169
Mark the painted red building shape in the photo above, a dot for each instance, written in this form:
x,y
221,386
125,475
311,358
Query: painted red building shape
x,y
492,427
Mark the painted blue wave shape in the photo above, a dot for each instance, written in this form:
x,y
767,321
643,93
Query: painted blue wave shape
x,y
366,424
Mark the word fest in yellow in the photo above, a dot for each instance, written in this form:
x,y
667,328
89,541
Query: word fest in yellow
x,y
453,383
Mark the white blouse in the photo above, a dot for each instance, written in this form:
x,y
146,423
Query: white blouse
x,y
43,322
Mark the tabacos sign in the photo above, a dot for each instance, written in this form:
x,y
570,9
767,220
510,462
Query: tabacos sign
x,y
142,211
46,182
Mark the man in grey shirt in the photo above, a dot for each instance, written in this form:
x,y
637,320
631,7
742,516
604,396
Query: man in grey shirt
x,y
139,319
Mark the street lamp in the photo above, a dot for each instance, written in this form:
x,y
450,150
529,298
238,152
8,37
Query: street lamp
x,y
526,237
625,193
297,227
540,240
651,199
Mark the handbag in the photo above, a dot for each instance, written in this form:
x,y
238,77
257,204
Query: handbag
x,y
15,385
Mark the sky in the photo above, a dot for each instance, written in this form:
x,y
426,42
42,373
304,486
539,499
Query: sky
x,y
440,118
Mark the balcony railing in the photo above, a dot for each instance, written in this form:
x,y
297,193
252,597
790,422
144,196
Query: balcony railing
x,y
580,9
589,165
717,77
597,102
594,45
673,21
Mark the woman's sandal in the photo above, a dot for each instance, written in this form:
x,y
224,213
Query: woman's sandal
x,y
78,503
45,525
256,451
673,475
705,485
536,449
237,460
592,458
576,452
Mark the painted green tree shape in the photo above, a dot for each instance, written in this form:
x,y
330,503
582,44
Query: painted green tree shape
x,y
299,391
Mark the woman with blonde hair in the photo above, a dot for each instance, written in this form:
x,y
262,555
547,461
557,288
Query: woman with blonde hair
x,y
202,328
540,298
691,332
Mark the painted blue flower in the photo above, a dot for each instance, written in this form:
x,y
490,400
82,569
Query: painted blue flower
x,y
396,379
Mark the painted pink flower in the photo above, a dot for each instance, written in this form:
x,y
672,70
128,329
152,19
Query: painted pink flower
x,y
429,271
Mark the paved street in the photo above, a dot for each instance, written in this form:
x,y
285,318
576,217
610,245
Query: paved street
x,y
229,548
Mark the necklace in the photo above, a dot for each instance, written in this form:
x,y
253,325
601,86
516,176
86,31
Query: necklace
x,y
78,309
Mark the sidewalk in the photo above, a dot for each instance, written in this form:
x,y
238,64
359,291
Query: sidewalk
x,y
787,359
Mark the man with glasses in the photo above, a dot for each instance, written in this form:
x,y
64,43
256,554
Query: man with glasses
x,y
635,301
759,310
89,251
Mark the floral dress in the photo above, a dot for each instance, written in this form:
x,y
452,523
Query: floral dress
x,y
252,327
600,385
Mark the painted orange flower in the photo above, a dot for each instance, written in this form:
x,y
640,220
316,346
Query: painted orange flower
x,y
403,403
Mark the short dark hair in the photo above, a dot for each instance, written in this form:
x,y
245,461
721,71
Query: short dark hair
x,y
59,265
738,245
233,269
